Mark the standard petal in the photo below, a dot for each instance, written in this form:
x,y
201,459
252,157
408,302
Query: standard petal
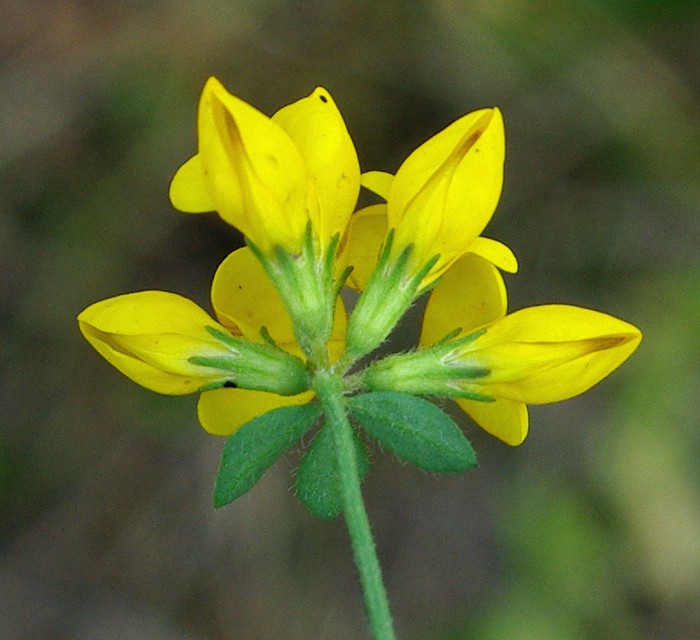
x,y
506,420
552,352
469,296
495,252
319,132
446,191
378,182
188,189
222,411
362,243
254,172
245,300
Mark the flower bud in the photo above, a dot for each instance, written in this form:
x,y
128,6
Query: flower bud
x,y
168,344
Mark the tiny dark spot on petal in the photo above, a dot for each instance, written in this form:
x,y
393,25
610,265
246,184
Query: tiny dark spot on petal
x,y
323,98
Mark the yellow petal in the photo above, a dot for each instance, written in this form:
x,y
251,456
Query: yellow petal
x,y
253,170
378,182
188,189
506,420
148,312
222,411
470,295
552,352
149,336
362,243
495,252
336,341
244,298
319,132
144,374
446,191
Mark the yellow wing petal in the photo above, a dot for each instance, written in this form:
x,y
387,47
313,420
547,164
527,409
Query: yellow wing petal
x,y
188,189
144,374
254,172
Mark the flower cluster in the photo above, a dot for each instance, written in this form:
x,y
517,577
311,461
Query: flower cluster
x,y
290,184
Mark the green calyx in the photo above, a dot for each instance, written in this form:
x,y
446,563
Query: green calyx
x,y
429,371
258,366
391,290
305,283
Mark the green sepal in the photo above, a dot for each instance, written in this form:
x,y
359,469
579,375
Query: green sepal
x,y
223,363
253,365
387,296
429,371
304,281
226,338
413,429
318,484
251,450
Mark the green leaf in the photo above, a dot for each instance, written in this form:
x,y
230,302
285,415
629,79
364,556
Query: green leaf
x,y
318,485
256,445
413,429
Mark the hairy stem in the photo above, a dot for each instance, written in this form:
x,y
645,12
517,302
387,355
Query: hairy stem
x,y
329,389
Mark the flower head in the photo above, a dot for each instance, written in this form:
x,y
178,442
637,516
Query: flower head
x,y
279,360
289,183
535,355
170,345
271,177
445,192
152,337
437,205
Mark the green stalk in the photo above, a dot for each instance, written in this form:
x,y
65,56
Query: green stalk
x,y
329,389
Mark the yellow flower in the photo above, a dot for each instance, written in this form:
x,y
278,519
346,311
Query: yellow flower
x,y
170,345
271,177
289,183
444,195
536,355
437,205
151,336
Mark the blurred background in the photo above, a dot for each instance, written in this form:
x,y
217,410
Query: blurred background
x,y
589,530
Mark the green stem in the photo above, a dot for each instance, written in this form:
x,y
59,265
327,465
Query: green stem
x,y
329,389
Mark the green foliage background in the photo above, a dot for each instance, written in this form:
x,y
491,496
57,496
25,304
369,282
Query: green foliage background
x,y
590,530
